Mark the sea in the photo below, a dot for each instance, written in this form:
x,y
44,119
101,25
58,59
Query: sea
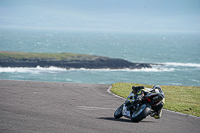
x,y
179,52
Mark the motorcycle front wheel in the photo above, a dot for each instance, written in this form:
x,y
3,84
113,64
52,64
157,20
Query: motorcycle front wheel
x,y
140,114
118,112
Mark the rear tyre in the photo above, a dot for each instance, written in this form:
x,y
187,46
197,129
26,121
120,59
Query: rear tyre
x,y
140,114
118,112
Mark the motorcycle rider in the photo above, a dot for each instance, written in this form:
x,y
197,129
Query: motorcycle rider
x,y
140,92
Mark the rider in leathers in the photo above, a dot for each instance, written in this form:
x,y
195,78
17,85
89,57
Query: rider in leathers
x,y
139,93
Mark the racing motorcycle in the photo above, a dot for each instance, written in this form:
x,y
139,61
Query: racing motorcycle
x,y
137,108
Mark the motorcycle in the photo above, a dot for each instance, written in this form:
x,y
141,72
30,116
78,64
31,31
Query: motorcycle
x,y
137,108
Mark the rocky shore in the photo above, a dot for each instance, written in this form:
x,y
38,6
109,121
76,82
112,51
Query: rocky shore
x,y
73,61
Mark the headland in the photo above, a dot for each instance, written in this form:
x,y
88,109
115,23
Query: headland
x,y
65,60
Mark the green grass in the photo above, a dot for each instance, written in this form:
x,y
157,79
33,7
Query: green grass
x,y
183,99
25,55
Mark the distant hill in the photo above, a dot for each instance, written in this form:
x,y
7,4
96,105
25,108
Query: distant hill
x,y
65,60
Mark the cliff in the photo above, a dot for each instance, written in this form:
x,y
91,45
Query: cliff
x,y
65,60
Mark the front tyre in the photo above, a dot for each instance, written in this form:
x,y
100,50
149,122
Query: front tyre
x,y
140,114
118,112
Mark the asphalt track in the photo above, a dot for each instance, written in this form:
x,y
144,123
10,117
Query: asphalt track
x,y
29,106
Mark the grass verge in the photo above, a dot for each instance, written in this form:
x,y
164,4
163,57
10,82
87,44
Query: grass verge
x,y
57,56
183,99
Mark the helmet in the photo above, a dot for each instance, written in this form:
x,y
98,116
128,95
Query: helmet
x,y
137,89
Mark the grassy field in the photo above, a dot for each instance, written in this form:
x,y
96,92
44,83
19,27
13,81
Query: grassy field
x,y
19,55
57,56
183,99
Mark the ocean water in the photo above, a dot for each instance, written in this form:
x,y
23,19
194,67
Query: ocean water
x,y
179,52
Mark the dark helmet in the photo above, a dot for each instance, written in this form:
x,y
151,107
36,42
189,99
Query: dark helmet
x,y
137,89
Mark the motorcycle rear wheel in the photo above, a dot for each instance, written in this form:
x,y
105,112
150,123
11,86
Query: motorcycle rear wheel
x,y
118,112
140,114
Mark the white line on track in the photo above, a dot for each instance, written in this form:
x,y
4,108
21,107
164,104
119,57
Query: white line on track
x,y
113,93
93,108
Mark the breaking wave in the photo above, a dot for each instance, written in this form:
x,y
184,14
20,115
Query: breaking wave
x,y
35,70
52,69
182,64
126,69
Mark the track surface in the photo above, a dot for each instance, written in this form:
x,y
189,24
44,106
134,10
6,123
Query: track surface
x,y
29,106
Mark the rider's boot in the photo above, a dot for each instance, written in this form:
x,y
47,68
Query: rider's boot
x,y
152,114
158,114
158,110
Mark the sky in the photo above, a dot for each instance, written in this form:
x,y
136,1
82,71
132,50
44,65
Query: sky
x,y
119,15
